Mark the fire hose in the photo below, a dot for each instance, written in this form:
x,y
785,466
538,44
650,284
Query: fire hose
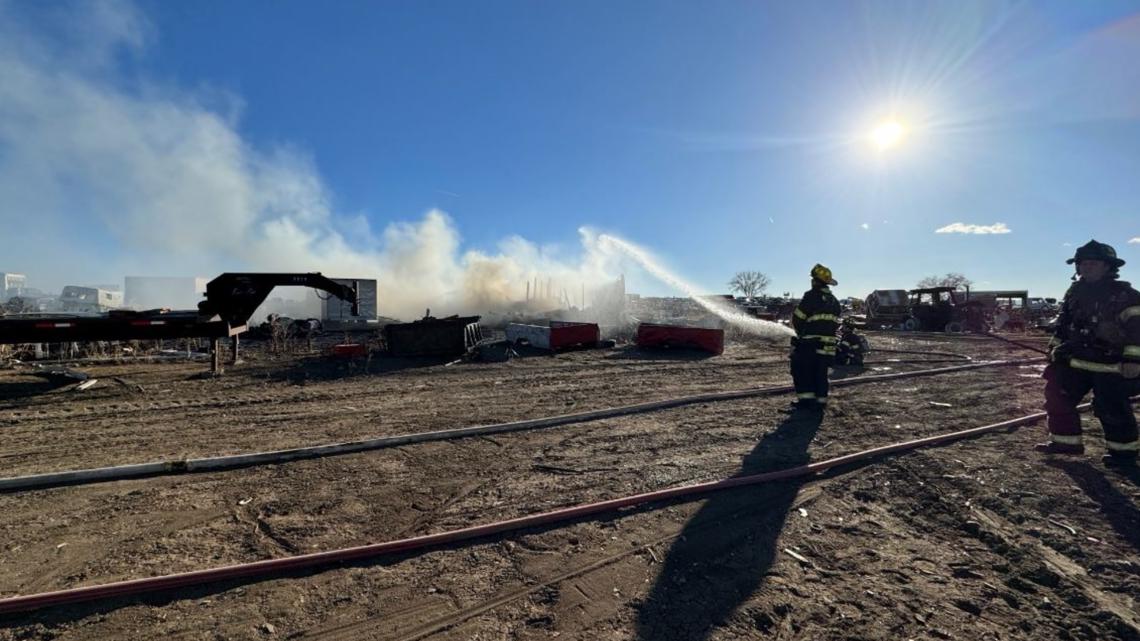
x,y
272,567
1018,344
213,464
948,355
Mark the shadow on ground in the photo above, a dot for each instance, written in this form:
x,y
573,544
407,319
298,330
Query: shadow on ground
x,y
1117,508
840,372
726,549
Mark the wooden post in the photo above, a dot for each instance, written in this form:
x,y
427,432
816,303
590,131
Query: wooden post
x,y
234,355
215,356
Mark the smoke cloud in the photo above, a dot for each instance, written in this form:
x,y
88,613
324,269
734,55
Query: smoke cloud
x,y
103,175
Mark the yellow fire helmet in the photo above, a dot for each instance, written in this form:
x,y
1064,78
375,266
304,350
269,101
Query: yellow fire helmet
x,y
823,274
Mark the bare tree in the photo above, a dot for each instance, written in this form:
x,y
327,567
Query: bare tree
x,y
952,279
749,284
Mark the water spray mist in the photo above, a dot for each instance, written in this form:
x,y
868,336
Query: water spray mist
x,y
722,309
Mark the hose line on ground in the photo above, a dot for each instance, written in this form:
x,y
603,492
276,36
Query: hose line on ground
x,y
213,464
275,567
1031,348
953,355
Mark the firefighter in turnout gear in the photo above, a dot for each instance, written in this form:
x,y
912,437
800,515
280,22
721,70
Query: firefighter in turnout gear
x,y
815,320
1096,348
852,347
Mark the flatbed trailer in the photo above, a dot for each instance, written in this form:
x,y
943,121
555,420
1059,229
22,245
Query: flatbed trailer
x,y
230,301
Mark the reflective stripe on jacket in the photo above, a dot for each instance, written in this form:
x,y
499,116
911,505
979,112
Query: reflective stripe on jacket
x,y
1099,326
816,319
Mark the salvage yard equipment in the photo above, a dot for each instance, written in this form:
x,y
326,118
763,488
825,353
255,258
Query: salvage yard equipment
x,y
887,307
933,309
230,301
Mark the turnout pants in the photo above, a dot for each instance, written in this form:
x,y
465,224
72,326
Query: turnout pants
x,y
1066,386
809,373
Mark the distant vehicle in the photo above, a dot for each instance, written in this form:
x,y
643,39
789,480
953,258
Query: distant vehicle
x,y
89,300
1042,306
934,309
1046,323
887,307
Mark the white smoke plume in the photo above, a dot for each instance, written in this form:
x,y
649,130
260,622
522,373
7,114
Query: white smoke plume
x,y
104,175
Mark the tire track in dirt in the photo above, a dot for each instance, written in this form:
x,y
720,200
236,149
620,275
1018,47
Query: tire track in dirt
x,y
250,413
201,408
1029,566
262,531
1008,534
466,488
410,624
79,556
121,409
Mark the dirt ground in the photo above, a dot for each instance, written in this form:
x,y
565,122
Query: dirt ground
x,y
982,539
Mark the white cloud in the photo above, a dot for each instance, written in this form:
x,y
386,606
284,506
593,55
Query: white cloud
x,y
1066,244
963,228
104,175
865,226
1134,241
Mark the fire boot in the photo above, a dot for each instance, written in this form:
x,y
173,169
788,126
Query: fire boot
x,y
1053,447
1122,460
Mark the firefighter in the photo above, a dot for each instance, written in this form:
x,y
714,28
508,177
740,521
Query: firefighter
x,y
1096,347
852,347
815,320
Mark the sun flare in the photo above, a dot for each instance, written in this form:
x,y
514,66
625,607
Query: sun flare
x,y
887,134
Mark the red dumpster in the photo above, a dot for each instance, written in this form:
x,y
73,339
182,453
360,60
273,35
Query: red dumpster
x,y
556,335
653,335
565,334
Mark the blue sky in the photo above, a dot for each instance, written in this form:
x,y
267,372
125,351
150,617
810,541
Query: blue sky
x,y
722,136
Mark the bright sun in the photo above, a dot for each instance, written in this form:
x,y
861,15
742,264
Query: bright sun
x,y
887,134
